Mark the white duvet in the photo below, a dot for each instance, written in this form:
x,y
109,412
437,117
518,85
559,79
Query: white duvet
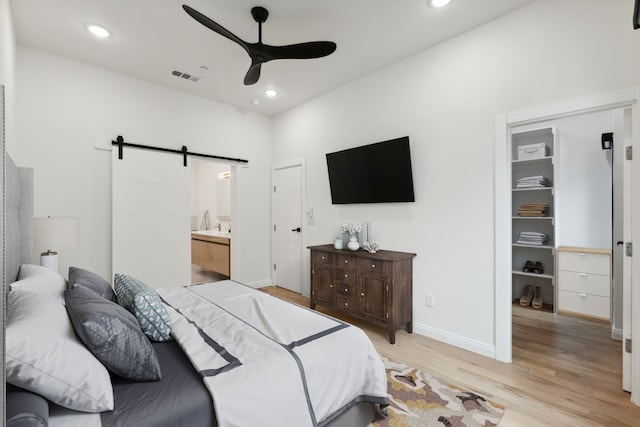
x,y
269,362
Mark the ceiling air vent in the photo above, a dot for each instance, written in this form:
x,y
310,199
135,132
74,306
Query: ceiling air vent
x,y
185,76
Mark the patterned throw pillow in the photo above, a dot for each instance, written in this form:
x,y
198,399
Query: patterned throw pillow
x,y
145,303
112,335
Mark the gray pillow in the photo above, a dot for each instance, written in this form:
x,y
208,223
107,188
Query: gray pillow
x,y
113,335
81,278
26,409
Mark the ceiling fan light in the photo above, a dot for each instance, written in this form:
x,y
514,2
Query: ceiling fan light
x,y
98,31
271,93
439,3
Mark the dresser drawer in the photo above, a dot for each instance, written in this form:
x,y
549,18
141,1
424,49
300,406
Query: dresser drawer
x,y
584,262
581,303
321,258
371,265
346,261
348,303
594,284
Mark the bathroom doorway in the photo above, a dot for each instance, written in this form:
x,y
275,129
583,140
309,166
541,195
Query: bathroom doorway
x,y
211,220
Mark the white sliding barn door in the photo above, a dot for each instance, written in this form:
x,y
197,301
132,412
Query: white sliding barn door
x,y
151,217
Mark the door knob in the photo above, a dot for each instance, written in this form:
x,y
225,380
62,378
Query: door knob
x,y
297,230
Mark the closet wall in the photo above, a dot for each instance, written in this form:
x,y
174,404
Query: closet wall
x,y
584,181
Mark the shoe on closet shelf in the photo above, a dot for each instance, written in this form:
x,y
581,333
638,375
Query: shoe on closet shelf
x,y
537,298
538,267
527,294
528,267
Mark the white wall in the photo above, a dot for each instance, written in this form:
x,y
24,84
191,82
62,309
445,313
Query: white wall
x,y
446,99
7,73
65,105
583,181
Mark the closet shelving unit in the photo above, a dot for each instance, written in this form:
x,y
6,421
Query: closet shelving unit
x,y
546,253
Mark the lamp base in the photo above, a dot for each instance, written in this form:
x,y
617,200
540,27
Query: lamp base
x,y
49,260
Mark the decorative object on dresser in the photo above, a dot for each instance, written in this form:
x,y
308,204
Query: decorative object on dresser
x,y
375,287
352,230
584,282
371,247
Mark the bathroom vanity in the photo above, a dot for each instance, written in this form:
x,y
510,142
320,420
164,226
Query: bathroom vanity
x,y
211,249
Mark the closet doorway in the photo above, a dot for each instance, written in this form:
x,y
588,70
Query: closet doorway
x,y
623,106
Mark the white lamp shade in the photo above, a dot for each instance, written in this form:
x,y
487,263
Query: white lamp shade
x,y
55,233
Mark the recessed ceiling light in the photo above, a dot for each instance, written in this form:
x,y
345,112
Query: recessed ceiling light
x,y
98,31
271,93
439,3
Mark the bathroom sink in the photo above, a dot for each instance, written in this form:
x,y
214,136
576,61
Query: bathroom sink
x,y
214,233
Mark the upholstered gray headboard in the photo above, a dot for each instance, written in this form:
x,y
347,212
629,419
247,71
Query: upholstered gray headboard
x,y
18,219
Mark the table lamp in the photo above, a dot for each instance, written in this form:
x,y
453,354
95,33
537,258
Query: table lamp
x,y
54,233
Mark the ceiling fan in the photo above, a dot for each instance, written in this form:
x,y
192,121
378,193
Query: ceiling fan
x,y
260,52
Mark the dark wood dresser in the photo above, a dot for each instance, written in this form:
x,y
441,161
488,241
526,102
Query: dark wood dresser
x,y
377,288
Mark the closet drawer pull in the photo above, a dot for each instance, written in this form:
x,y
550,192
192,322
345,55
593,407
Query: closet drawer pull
x,y
583,254
583,295
583,274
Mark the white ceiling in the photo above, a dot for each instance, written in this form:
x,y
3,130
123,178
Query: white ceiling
x,y
151,38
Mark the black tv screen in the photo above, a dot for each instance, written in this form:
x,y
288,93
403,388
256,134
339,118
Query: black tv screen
x,y
374,173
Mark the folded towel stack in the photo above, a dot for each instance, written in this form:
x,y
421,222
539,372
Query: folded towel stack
x,y
533,182
532,238
533,209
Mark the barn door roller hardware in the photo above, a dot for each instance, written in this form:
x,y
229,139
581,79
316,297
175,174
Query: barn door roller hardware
x,y
183,151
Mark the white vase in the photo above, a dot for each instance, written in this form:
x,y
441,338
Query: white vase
x,y
337,243
353,243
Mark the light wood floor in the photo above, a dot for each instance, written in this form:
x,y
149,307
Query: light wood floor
x,y
565,372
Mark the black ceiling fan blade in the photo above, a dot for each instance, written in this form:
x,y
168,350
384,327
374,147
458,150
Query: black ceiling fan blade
x,y
212,25
307,50
253,74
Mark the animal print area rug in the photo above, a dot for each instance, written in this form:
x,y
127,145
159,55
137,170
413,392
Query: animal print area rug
x,y
419,399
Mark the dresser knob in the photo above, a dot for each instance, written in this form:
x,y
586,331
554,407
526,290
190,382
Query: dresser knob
x,y
346,304
331,286
346,275
346,261
346,290
323,257
361,294
373,266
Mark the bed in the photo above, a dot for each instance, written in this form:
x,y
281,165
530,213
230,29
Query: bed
x,y
86,352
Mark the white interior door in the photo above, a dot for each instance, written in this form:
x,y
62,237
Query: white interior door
x,y
287,228
151,217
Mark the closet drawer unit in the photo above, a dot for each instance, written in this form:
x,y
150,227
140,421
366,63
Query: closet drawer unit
x,y
592,284
584,304
584,262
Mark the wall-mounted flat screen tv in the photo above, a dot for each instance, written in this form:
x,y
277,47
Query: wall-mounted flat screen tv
x,y
374,173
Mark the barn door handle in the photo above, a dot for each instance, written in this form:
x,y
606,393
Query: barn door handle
x,y
297,230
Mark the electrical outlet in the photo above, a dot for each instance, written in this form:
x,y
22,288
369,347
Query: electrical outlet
x,y
429,300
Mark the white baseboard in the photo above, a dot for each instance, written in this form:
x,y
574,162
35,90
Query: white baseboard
x,y
455,340
616,334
